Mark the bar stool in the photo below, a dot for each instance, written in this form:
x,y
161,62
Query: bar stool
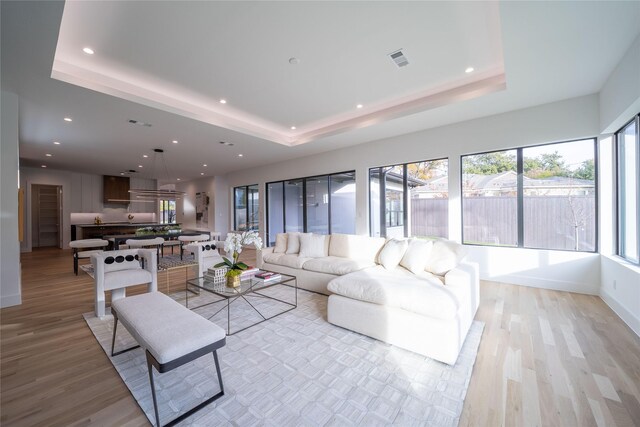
x,y
185,240
90,245
156,242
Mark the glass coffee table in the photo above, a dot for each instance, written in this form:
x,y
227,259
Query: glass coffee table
x,y
249,289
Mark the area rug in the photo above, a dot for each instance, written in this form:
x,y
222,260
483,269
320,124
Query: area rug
x,y
166,262
298,369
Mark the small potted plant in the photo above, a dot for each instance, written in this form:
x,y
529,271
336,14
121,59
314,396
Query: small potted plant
x,y
233,245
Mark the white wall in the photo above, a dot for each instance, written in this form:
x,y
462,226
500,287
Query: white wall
x,y
565,120
218,214
620,280
80,193
620,95
10,283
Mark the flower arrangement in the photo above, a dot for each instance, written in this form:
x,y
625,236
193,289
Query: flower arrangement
x,y
233,245
163,229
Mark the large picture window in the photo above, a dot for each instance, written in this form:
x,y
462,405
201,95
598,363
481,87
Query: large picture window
x,y
246,207
541,197
627,192
320,204
410,200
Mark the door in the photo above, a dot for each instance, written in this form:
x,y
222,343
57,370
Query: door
x,y
45,215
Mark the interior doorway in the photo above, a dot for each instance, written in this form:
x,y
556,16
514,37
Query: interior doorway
x,y
46,205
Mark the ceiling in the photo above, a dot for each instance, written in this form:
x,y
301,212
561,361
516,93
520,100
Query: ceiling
x,y
169,63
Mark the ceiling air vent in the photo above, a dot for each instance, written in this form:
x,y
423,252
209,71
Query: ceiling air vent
x,y
398,58
139,123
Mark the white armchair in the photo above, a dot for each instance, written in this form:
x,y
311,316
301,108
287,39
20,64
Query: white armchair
x,y
206,253
116,270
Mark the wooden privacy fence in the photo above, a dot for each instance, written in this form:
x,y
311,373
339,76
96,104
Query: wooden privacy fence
x,y
550,222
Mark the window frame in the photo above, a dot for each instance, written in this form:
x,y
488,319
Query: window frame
x,y
405,195
520,195
619,238
304,198
246,193
167,201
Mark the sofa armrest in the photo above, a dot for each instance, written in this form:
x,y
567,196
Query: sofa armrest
x,y
260,253
466,275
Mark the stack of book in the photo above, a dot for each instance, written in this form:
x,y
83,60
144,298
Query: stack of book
x,y
268,276
249,273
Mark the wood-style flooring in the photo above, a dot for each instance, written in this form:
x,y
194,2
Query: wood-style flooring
x,y
546,358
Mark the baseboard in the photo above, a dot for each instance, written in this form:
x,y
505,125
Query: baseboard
x,y
10,300
627,317
537,282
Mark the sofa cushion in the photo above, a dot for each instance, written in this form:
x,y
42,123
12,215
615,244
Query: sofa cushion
x,y
281,243
392,253
314,245
336,265
355,246
293,243
417,254
422,294
445,256
288,260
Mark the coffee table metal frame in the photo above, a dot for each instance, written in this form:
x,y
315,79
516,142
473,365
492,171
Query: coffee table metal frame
x,y
248,288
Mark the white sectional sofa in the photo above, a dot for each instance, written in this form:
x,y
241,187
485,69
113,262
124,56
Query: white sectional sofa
x,y
372,291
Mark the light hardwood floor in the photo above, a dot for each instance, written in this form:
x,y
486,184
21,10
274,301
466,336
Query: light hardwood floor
x,y
546,358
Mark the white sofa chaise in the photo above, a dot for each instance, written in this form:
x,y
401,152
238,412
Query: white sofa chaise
x,y
426,313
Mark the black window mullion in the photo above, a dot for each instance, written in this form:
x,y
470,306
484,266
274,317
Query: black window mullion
x,y
266,212
405,202
329,227
520,197
284,209
304,205
383,205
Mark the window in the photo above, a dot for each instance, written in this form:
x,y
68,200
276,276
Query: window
x,y
167,211
319,204
410,199
246,207
541,197
627,192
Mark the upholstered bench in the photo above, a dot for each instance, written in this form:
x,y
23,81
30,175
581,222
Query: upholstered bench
x,y
171,336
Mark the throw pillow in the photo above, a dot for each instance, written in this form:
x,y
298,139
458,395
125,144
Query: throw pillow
x,y
417,255
392,253
445,256
312,245
281,243
293,243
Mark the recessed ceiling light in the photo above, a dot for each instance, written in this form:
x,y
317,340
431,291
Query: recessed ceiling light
x,y
56,142
139,166
223,101
359,106
228,144
293,128
174,141
178,179
68,119
205,165
240,155
48,155
44,166
201,173
121,173
145,156
469,70
88,51
294,61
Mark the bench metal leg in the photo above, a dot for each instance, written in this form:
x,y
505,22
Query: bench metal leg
x,y
75,261
151,362
113,340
